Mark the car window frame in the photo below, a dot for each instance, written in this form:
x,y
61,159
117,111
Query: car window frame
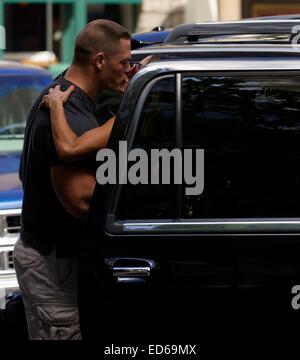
x,y
213,226
110,222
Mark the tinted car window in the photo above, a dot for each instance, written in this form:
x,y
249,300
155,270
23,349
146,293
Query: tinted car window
x,y
156,130
249,128
17,94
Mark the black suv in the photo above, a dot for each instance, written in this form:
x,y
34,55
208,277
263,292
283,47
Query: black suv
x,y
233,247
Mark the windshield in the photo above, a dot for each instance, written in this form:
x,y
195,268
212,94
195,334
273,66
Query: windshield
x,y
17,94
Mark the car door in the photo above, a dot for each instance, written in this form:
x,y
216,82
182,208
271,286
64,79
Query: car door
x,y
249,128
163,249
148,257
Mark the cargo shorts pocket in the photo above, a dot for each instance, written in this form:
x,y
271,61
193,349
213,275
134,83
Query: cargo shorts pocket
x,y
58,322
26,257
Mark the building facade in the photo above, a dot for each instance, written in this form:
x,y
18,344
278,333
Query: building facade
x,y
38,25
52,25
172,12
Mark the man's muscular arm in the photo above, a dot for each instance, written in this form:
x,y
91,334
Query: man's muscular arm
x,y
74,187
69,146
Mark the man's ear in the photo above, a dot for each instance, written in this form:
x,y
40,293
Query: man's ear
x,y
99,60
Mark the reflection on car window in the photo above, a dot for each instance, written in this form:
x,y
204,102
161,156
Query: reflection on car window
x,y
249,128
156,131
17,94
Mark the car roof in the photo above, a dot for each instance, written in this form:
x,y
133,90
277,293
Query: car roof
x,y
189,58
15,68
224,64
260,30
259,49
276,17
189,33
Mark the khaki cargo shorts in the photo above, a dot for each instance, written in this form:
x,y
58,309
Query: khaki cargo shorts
x,y
49,290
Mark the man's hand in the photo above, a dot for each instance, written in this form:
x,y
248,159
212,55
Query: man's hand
x,y
55,96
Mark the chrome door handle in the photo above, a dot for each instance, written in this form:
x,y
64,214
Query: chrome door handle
x,y
131,270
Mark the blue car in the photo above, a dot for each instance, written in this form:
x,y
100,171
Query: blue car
x,y
19,87
155,37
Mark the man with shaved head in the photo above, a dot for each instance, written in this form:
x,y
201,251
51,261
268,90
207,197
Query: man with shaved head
x,y
57,194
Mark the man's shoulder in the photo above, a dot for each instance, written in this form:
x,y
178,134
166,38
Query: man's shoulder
x,y
79,108
78,99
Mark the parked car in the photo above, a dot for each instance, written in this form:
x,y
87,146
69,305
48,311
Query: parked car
x,y
235,246
154,37
19,87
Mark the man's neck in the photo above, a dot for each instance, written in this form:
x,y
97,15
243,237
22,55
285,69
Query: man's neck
x,y
82,78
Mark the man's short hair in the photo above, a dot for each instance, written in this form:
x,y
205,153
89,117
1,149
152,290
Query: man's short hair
x,y
98,36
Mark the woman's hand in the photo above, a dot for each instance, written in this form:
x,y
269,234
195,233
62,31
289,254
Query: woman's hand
x,y
137,66
56,96
124,86
134,69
